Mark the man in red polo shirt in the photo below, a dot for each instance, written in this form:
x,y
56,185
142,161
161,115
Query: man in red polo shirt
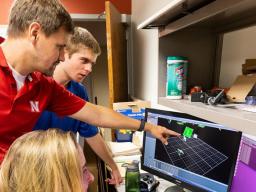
x,y
37,33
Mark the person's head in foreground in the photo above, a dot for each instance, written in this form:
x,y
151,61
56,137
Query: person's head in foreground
x,y
44,161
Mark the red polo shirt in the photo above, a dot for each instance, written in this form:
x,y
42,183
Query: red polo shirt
x,y
1,39
19,111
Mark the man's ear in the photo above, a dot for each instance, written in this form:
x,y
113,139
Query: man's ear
x,y
33,31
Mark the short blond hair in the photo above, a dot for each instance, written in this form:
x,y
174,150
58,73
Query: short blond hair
x,y
50,14
82,38
42,161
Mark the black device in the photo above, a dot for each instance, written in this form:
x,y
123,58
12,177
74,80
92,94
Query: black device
x,y
203,158
216,99
148,183
210,98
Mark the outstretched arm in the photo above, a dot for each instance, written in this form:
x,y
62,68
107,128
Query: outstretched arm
x,y
105,117
99,147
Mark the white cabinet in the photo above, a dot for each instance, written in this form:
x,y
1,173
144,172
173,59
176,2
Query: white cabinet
x,y
195,29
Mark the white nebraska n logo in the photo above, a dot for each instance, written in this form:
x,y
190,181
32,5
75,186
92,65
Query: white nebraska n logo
x,y
34,106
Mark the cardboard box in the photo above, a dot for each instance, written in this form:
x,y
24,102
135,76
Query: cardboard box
x,y
242,86
134,110
249,67
250,61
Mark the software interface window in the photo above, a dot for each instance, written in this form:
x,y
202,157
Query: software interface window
x,y
203,156
193,154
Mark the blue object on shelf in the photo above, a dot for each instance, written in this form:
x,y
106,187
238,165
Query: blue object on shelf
x,y
123,137
250,100
127,137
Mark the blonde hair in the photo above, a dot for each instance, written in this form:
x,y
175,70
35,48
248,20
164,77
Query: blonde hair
x,y
82,38
42,161
50,14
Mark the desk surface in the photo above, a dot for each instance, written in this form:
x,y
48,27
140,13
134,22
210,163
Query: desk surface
x,y
128,159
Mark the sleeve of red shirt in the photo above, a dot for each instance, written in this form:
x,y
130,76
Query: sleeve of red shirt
x,y
63,102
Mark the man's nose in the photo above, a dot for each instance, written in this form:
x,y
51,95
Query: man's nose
x,y
88,68
61,55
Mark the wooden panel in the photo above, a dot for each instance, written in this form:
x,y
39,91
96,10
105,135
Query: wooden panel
x,y
116,47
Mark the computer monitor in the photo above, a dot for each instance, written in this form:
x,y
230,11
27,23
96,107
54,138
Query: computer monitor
x,y
203,158
245,174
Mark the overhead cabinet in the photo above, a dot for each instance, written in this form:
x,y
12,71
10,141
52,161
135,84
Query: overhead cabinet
x,y
195,29
216,14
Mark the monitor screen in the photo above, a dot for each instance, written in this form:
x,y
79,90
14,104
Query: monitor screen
x,y
203,158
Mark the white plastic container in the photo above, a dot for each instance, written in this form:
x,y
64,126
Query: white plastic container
x,y
176,80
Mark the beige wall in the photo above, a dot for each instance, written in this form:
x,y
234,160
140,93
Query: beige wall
x,y
145,62
145,50
237,46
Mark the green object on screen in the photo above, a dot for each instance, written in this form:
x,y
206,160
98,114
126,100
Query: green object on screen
x,y
188,132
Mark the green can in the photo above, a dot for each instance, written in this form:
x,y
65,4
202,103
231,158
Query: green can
x,y
175,76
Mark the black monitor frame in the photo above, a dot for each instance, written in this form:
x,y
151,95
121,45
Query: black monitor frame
x,y
180,183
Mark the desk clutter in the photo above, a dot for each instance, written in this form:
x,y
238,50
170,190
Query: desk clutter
x,y
124,153
135,110
243,89
123,148
148,183
136,181
241,95
249,67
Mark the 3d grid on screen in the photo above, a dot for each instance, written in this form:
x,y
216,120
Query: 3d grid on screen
x,y
193,154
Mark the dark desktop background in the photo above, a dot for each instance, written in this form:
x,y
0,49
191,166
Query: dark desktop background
x,y
225,141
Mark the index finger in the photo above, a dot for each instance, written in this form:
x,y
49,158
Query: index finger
x,y
170,132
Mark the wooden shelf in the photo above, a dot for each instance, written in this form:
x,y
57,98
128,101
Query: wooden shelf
x,y
233,118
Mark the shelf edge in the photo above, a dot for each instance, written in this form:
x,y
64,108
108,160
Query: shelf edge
x,y
241,124
160,13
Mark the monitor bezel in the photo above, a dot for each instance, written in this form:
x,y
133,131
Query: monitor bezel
x,y
170,178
